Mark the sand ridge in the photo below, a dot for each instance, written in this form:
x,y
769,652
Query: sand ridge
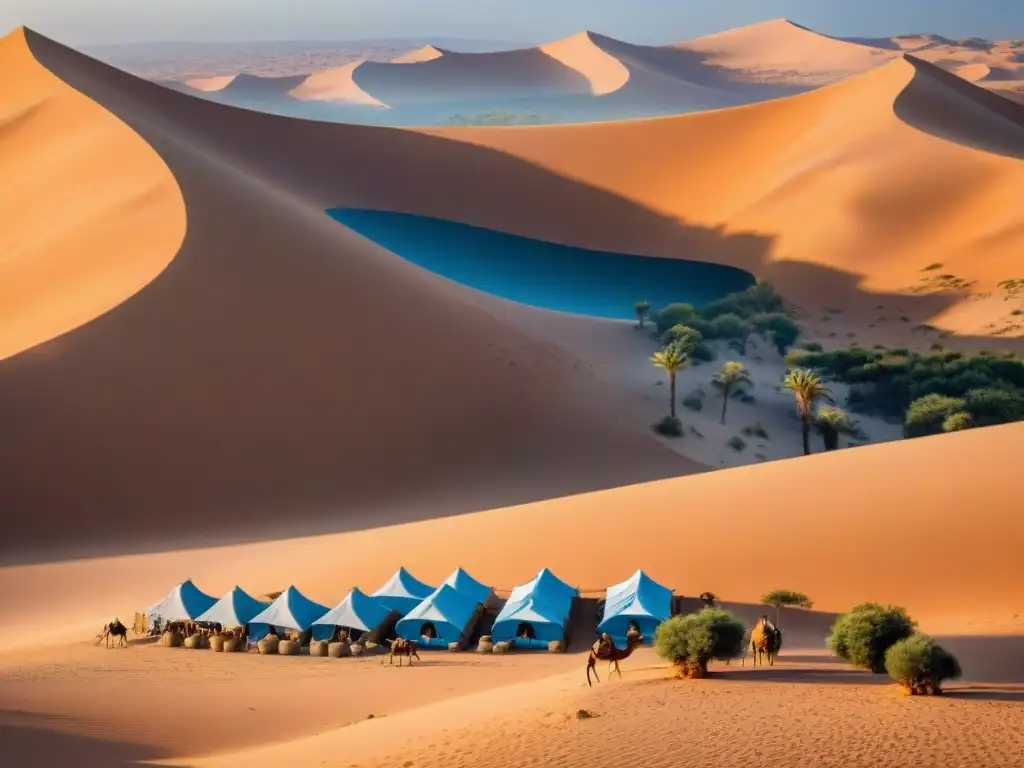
x,y
90,212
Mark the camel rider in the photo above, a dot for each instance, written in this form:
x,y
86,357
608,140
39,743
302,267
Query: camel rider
x,y
604,645
768,623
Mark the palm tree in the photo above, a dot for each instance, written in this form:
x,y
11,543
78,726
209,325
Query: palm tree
x,y
671,359
833,422
727,379
807,388
642,309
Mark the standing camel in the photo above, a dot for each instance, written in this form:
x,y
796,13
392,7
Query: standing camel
x,y
401,647
605,649
765,639
112,630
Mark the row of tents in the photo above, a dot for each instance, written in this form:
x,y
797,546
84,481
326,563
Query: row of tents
x,y
534,614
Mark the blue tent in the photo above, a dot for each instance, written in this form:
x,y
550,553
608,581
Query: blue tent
x,y
543,603
638,599
357,611
291,610
235,609
466,585
450,612
186,602
403,592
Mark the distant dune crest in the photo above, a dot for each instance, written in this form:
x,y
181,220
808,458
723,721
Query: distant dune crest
x,y
737,66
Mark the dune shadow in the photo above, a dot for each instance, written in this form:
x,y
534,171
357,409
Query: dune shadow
x,y
939,111
38,740
217,406
988,658
782,674
1013,695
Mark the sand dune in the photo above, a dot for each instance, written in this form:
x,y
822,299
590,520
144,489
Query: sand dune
x,y
426,53
272,343
923,141
86,223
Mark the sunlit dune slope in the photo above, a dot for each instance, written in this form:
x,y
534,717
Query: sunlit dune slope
x,y
89,214
932,524
426,53
779,51
285,374
849,188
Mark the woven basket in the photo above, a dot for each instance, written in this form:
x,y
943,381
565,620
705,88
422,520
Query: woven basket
x,y
556,646
318,648
357,649
171,639
485,645
192,641
288,648
268,644
339,650
502,647
217,644
232,644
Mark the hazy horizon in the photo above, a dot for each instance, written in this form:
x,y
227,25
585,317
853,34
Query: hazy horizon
x,y
125,22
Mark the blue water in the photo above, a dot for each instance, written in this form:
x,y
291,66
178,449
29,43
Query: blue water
x,y
543,274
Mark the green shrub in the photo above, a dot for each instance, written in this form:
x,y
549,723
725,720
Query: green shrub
x,y
693,402
756,430
693,640
703,352
745,397
863,635
812,346
994,406
778,328
957,422
674,314
926,415
670,426
683,335
730,326
920,665
737,443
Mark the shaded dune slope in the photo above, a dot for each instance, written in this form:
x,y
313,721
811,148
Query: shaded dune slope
x,y
904,166
284,374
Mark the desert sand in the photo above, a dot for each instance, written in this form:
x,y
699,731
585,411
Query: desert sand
x,y
286,402
601,78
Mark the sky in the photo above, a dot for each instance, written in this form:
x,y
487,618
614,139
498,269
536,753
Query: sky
x,y
103,22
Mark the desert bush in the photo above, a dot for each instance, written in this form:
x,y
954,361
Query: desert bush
x,y
670,426
730,326
812,346
703,352
994,406
866,632
684,336
920,665
756,430
778,328
957,422
674,314
693,402
691,641
745,397
737,443
927,414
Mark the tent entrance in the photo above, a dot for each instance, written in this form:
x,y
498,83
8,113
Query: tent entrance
x,y
428,630
525,631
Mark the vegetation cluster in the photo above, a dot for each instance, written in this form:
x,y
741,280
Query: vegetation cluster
x,y
942,391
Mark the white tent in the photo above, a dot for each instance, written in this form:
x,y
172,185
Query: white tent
x,y
186,602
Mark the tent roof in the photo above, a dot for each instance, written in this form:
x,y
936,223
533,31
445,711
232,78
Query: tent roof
x,y
235,609
639,595
466,585
533,608
291,610
544,583
183,603
404,584
357,611
444,605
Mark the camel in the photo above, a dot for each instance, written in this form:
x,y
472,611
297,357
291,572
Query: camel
x,y
765,639
605,649
111,630
401,647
